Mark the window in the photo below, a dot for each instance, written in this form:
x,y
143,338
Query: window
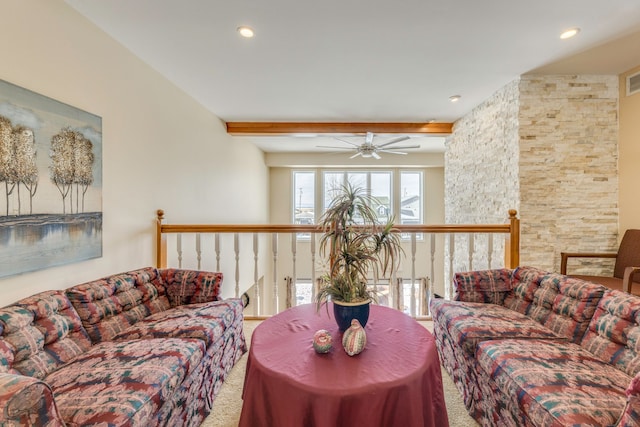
x,y
404,199
304,186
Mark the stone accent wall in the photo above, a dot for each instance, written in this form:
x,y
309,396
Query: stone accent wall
x,y
568,168
546,146
481,175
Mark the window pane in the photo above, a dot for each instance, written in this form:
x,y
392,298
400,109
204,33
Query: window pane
x,y
381,190
411,197
333,181
304,197
357,180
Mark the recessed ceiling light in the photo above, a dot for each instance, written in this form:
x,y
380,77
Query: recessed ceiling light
x,y
455,98
567,34
245,32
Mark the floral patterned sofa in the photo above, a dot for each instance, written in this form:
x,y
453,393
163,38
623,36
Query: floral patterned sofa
x,y
531,348
144,348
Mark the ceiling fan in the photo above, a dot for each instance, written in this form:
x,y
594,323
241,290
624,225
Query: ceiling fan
x,y
368,149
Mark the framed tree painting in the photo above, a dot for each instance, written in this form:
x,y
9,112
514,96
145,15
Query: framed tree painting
x,y
50,182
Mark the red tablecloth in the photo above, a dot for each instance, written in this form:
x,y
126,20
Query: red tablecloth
x,y
395,381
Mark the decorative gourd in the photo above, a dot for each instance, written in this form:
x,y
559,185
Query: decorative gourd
x,y
354,338
322,341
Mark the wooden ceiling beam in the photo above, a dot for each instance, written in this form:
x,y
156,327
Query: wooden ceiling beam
x,y
289,128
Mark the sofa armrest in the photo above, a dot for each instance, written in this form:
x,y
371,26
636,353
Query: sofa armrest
x,y
564,258
488,286
631,415
628,278
191,286
26,401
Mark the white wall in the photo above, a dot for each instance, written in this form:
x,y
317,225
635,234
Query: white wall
x,y
161,149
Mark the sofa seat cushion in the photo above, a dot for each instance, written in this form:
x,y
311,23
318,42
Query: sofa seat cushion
x,y
555,383
123,383
470,323
206,321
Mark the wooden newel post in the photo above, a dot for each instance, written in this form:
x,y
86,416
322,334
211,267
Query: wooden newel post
x,y
161,242
514,239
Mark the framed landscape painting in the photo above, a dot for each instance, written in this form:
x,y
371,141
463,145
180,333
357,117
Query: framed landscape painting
x,y
50,182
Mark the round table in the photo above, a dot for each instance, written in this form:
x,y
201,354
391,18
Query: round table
x,y
395,381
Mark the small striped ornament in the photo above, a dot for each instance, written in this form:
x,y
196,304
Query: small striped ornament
x,y
322,341
354,338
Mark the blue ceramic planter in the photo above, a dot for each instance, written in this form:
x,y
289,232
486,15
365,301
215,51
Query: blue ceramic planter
x,y
344,312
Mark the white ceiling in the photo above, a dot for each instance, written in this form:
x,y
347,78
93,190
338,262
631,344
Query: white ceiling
x,y
364,60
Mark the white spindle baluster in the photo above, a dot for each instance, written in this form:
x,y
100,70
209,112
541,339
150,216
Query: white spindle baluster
x,y
314,284
447,288
294,248
375,281
256,287
179,249
472,243
424,296
217,250
236,249
413,274
198,251
432,258
394,289
274,249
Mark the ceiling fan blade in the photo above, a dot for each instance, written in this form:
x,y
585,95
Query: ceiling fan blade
x,y
376,155
356,155
369,138
337,148
346,142
393,152
394,141
404,147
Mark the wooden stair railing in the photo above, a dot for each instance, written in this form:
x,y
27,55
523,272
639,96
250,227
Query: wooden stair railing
x,y
511,229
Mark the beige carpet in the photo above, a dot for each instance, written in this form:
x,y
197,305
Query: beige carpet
x,y
226,411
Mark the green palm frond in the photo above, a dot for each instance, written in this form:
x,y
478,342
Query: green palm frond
x,y
355,243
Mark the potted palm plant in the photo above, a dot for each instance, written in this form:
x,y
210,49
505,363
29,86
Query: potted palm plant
x,y
356,243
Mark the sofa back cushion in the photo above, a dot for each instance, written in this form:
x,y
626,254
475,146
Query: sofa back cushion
x,y
565,305
191,286
524,283
486,286
40,333
613,334
110,305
